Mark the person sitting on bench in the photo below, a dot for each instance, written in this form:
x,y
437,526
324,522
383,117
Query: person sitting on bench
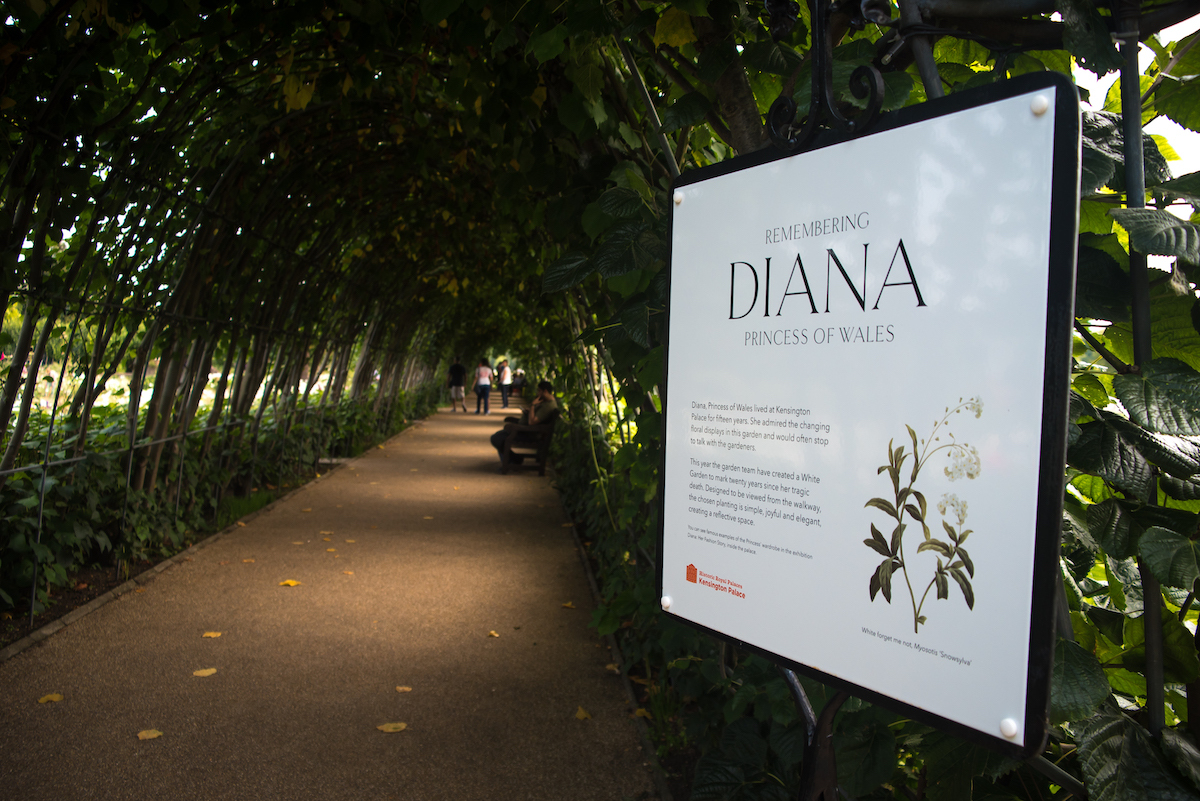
x,y
541,411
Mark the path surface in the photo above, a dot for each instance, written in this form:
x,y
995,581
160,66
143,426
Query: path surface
x,y
407,558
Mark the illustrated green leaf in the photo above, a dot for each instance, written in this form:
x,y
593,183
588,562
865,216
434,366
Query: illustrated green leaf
x,y
883,506
962,554
1077,683
1165,398
965,586
877,542
935,545
1173,558
897,536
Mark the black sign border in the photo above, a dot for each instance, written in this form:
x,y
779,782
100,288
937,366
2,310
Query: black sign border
x,y
1064,222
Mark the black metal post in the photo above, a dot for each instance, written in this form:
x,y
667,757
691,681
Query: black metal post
x,y
1139,284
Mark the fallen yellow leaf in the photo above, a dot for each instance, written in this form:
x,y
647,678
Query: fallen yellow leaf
x,y
289,583
55,697
380,447
306,510
612,666
374,482
403,689
212,634
641,713
456,487
349,540
374,526
247,561
140,589
5,615
493,634
323,533
567,525
568,605
327,539
149,734
240,523
582,714
391,727
330,550
297,543
348,572
205,672
413,470
427,517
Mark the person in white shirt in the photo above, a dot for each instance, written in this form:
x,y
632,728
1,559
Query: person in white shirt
x,y
482,385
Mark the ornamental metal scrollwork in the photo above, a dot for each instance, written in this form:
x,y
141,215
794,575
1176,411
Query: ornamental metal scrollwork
x,y
866,82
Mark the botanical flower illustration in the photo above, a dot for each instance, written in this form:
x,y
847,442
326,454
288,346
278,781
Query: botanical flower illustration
x,y
953,561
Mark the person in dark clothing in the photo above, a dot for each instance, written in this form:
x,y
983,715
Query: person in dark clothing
x,y
457,380
540,411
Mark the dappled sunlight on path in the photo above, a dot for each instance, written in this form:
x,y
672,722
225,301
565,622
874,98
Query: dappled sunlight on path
x,y
407,563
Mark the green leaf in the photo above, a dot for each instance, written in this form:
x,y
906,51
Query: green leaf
x,y
1077,683
691,109
566,272
434,11
619,202
1087,37
1173,558
1185,187
1113,528
1100,449
1177,456
674,28
1101,287
1160,232
952,765
1180,748
1180,663
1178,489
866,751
877,542
1120,763
1164,398
548,45
1091,388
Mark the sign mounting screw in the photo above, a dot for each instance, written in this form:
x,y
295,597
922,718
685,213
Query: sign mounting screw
x,y
1008,727
1039,105
666,602
678,198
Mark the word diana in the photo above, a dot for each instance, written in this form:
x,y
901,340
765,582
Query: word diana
x,y
797,284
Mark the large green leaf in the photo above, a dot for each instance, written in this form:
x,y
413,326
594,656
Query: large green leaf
x,y
1172,557
690,109
1186,187
1101,287
1103,451
1180,748
951,766
1087,36
1180,663
566,272
1177,456
866,751
1077,683
1160,232
620,202
1120,763
1164,398
1113,528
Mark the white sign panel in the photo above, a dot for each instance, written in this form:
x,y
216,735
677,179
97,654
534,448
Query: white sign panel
x,y
862,405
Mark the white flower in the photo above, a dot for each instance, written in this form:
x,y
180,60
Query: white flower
x,y
974,405
964,461
955,504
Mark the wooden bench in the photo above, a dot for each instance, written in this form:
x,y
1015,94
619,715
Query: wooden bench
x,y
528,441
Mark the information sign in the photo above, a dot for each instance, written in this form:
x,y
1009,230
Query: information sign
x,y
866,398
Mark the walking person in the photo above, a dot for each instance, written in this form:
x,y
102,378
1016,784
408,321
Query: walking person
x,y
482,385
456,379
506,380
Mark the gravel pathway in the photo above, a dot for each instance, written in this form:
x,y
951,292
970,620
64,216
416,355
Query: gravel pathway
x,y
409,560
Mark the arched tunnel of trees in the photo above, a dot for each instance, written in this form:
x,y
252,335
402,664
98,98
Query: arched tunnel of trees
x,y
237,239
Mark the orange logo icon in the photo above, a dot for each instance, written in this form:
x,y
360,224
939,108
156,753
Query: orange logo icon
x,y
691,573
